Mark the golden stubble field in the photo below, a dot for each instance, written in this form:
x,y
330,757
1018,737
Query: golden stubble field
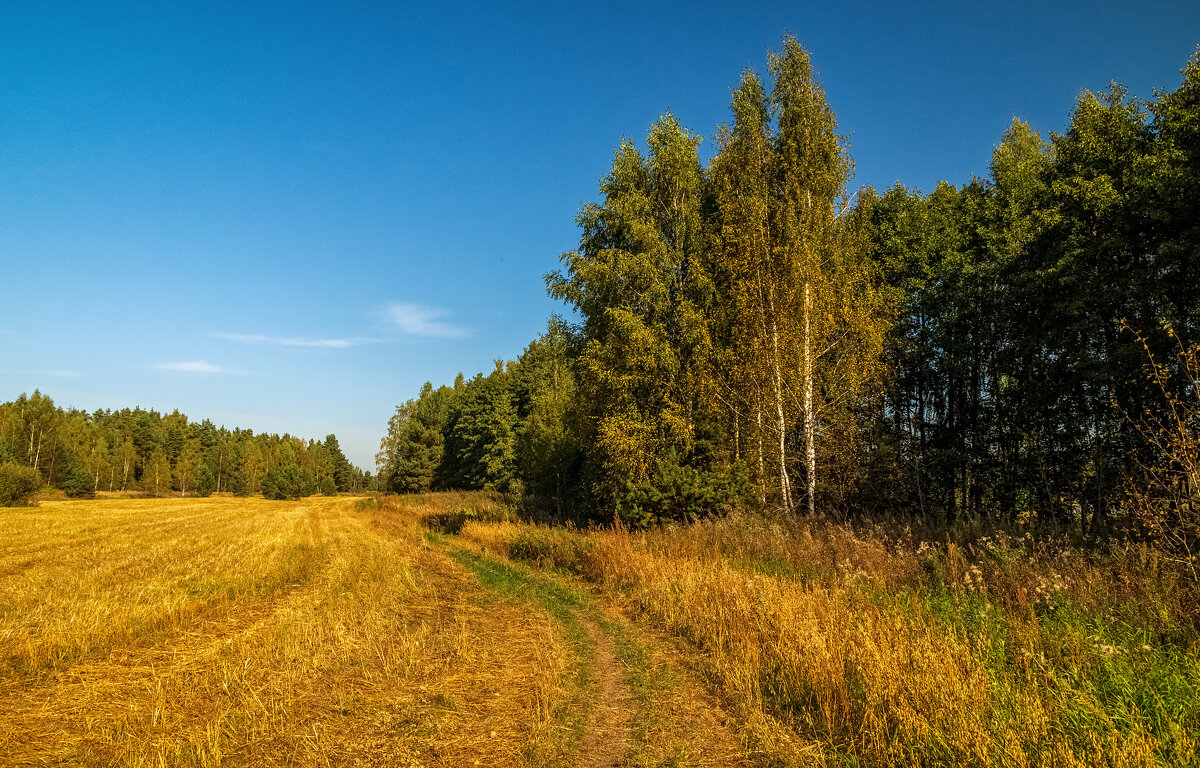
x,y
322,632
247,632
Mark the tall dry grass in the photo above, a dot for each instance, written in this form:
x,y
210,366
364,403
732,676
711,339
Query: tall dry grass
x,y
246,632
868,647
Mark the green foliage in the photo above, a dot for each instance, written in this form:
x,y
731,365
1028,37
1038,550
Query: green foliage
x,y
639,281
156,477
370,502
343,471
327,486
452,522
1013,380
288,481
205,481
549,455
550,547
413,447
187,465
480,436
749,336
18,483
75,479
134,448
239,484
678,493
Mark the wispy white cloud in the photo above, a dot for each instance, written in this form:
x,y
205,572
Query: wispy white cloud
x,y
290,341
195,366
420,320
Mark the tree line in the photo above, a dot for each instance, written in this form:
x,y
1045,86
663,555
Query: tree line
x,y
750,334
158,454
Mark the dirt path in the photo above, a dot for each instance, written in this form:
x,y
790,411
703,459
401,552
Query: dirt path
x,y
645,705
606,739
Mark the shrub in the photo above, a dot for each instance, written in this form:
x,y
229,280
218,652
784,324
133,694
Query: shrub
x,y
18,483
452,521
1165,494
550,547
327,486
682,494
370,502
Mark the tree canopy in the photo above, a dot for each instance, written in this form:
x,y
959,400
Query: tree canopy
x,y
140,450
747,333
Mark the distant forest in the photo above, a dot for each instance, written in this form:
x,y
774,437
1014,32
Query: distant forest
x,y
1013,349
157,454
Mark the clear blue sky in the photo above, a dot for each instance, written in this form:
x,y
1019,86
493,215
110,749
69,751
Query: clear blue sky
x,y
288,216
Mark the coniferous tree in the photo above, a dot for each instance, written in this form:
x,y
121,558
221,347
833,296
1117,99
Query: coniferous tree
x,y
343,471
411,454
480,436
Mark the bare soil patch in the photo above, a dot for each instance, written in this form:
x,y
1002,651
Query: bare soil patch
x,y
606,739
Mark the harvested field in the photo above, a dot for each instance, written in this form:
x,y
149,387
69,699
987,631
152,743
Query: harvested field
x,y
245,632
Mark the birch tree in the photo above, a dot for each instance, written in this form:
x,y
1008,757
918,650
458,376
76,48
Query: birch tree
x,y
741,241
806,321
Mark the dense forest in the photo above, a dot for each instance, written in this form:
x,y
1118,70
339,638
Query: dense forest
x,y
139,450
1012,349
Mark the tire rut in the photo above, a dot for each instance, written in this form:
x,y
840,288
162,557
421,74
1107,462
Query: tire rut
x,y
606,738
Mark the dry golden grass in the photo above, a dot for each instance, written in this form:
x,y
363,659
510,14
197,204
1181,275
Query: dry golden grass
x,y
671,717
835,645
247,632
178,632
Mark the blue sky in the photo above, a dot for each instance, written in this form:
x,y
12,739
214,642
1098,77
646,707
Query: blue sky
x,y
288,216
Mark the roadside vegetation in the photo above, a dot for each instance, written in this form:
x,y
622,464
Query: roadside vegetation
x,y
1015,352
840,645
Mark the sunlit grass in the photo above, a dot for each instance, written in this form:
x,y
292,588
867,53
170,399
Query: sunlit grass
x,y
333,631
247,632
869,647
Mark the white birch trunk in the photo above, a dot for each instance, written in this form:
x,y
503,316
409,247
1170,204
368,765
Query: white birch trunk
x,y
762,464
810,430
785,489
